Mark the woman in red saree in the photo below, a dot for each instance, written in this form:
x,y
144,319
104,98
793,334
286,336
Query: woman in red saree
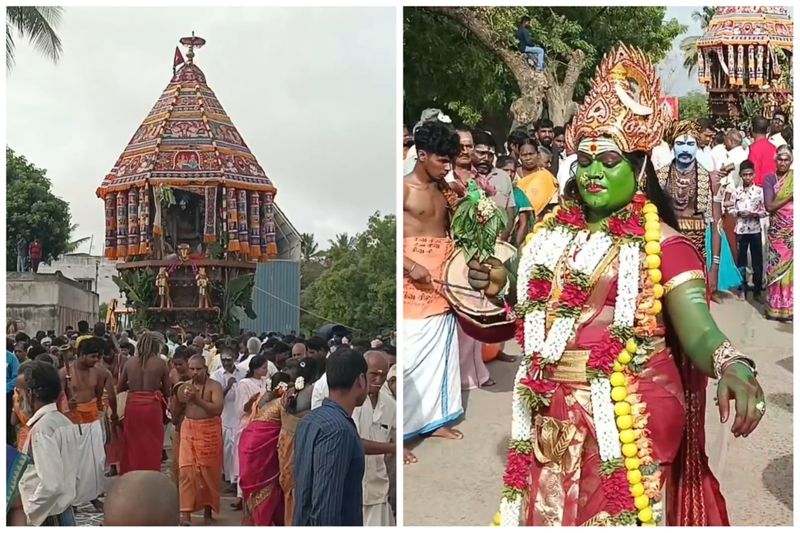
x,y
259,469
779,201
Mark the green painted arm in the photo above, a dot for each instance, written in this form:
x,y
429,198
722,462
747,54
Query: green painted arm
x,y
511,271
695,327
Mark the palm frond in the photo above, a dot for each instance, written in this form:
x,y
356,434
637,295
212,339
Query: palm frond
x,y
37,24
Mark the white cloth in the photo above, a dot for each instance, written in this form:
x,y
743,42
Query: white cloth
x,y
718,155
320,391
431,374
92,462
230,423
565,171
245,366
246,389
777,140
230,454
734,157
661,155
705,159
49,486
376,424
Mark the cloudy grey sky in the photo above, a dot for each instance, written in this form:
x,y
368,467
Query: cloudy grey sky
x,y
311,91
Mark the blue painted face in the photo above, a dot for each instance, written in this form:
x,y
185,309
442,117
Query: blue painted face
x,y
685,150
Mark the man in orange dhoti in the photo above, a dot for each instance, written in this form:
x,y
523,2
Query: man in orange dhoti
x,y
85,382
200,404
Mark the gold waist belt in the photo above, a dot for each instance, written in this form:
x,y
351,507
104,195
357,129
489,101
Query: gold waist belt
x,y
572,365
691,224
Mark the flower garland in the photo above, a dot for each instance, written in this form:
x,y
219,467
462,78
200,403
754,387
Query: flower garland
x,y
632,484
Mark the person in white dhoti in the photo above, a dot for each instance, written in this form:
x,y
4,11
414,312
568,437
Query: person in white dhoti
x,y
431,366
84,382
228,376
375,421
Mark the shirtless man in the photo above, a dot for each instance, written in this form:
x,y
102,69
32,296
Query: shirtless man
x,y
146,376
112,361
178,374
200,404
85,381
432,373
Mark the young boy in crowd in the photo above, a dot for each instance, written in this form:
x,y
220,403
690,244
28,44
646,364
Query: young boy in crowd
x,y
747,205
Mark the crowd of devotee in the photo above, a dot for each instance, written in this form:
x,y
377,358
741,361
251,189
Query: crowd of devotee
x,y
731,184
296,430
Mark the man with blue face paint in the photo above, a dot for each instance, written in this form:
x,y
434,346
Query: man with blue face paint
x,y
691,191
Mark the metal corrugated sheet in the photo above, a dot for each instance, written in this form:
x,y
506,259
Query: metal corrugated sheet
x,y
276,297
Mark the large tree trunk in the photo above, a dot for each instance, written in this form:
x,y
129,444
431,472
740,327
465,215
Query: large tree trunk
x,y
533,87
560,105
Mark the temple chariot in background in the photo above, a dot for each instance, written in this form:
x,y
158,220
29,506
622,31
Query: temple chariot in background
x,y
745,61
189,212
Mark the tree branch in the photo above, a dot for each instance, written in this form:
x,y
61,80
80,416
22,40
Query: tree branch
x,y
512,60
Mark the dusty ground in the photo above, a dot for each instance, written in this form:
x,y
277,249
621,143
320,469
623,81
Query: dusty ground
x,y
459,483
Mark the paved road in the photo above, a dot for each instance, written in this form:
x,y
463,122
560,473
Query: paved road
x,y
87,516
459,483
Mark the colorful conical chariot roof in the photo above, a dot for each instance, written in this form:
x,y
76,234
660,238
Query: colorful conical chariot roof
x,y
187,139
767,25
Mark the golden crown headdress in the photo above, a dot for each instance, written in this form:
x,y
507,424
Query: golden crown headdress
x,y
680,128
624,103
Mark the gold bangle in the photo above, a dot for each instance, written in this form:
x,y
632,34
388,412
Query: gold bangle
x,y
682,278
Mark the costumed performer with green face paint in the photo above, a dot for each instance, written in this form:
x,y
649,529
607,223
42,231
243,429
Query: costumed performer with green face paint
x,y
611,308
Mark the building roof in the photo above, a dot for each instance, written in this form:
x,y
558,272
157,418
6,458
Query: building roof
x,y
187,139
767,25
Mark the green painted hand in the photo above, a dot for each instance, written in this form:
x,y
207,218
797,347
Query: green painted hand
x,y
740,385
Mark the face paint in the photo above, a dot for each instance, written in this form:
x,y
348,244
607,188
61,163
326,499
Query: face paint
x,y
696,295
685,151
606,180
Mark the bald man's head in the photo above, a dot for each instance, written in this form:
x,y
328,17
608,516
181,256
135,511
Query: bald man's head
x,y
377,370
142,498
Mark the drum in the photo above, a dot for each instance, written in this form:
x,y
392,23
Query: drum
x,y
479,317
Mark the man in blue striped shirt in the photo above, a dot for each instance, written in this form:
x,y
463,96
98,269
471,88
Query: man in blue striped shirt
x,y
329,455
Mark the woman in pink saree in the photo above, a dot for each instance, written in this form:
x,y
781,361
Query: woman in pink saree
x,y
778,199
258,458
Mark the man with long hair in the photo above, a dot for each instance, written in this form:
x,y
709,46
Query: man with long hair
x,y
146,377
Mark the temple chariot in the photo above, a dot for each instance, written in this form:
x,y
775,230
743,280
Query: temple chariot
x,y
745,61
189,211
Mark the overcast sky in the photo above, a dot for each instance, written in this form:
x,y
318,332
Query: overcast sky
x,y
311,91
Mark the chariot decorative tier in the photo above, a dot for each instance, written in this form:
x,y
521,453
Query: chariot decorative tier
x,y
745,56
189,211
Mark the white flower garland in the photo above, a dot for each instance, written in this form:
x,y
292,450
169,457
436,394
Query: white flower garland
x,y
604,421
546,248
624,311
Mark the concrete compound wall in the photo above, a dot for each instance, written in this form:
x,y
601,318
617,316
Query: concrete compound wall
x,y
48,301
90,268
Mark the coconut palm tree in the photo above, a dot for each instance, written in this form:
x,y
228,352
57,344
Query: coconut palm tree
x,y
341,245
310,248
36,24
689,44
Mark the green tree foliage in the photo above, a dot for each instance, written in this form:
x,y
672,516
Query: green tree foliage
x,y
693,106
358,286
36,24
446,66
33,211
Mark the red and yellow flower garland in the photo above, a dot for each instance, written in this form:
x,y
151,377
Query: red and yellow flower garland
x,y
632,485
